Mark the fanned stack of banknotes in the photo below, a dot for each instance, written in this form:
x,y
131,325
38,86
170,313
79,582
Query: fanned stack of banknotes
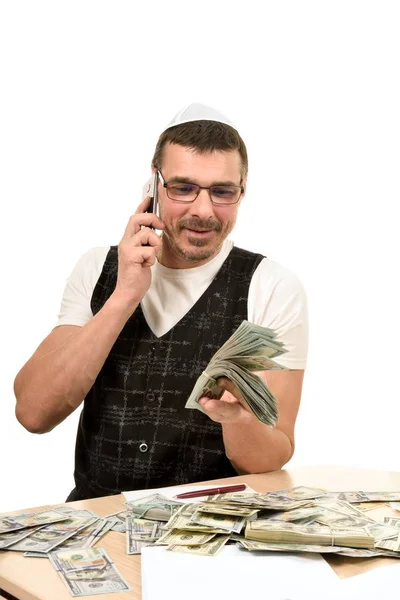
x,y
299,519
250,348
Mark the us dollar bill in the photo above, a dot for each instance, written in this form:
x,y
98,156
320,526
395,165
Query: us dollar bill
x,y
141,533
182,537
88,571
153,506
49,537
280,547
207,549
12,537
84,538
120,521
249,349
218,521
224,509
361,496
22,520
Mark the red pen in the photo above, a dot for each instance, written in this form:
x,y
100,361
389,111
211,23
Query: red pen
x,y
211,491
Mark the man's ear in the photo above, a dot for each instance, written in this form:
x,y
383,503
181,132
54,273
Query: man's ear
x,y
244,185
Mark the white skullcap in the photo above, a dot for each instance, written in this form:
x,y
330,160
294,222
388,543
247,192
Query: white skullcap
x,y
198,112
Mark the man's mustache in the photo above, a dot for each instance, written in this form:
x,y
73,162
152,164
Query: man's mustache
x,y
199,224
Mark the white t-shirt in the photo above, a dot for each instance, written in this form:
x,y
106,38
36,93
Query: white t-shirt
x,y
276,298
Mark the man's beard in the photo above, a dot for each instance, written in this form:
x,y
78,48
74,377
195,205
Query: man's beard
x,y
199,225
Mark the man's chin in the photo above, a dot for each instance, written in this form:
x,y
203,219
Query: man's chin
x,y
197,252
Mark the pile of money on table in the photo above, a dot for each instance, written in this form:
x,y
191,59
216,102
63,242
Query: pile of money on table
x,y
300,519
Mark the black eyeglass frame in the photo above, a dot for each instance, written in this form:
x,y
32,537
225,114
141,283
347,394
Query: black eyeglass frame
x,y
165,185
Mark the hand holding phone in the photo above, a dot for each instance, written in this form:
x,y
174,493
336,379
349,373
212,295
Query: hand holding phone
x,y
150,188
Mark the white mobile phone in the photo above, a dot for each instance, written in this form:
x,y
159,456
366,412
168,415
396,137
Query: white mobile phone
x,y
150,188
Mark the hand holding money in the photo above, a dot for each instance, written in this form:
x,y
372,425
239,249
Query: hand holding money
x,y
230,408
249,349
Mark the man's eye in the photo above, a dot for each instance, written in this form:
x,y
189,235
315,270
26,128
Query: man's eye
x,y
182,188
223,192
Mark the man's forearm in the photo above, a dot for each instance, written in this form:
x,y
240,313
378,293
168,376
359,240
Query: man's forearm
x,y
253,447
51,386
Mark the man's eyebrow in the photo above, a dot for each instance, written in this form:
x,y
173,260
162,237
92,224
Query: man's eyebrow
x,y
179,179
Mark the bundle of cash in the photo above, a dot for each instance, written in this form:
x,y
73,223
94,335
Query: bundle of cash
x,y
266,530
154,506
250,348
88,571
140,533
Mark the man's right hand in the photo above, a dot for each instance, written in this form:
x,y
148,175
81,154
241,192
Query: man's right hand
x,y
137,252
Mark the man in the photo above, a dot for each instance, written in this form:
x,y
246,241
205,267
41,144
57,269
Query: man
x,y
140,322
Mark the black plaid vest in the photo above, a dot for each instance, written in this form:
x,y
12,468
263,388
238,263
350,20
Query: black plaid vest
x,y
134,430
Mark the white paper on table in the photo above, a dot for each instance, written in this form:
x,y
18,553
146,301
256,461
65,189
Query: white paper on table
x,y
234,574
381,582
170,492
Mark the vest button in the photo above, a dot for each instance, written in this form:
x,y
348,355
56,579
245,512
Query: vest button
x,y
151,396
143,447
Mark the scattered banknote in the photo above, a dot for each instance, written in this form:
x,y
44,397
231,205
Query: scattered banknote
x,y
227,522
339,519
12,537
140,533
207,549
22,520
153,506
47,538
390,544
300,492
260,501
75,512
88,571
250,348
216,509
84,538
367,506
182,537
182,520
120,521
382,531
361,496
392,521
306,514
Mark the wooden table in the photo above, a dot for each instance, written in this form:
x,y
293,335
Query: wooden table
x,y
36,579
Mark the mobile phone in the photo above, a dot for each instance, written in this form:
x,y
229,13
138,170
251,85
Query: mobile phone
x,y
150,188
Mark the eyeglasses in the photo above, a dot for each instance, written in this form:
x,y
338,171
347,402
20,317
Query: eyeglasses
x,y
222,195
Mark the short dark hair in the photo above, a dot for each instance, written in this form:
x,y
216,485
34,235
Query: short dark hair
x,y
202,137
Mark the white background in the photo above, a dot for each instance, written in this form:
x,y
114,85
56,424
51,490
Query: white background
x,y
314,90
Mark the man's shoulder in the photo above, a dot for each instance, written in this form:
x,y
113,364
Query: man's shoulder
x,y
96,255
90,264
273,276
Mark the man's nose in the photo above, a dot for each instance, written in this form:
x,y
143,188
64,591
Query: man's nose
x,y
202,207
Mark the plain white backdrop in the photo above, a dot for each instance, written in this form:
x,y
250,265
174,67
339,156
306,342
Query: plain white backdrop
x,y
86,88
